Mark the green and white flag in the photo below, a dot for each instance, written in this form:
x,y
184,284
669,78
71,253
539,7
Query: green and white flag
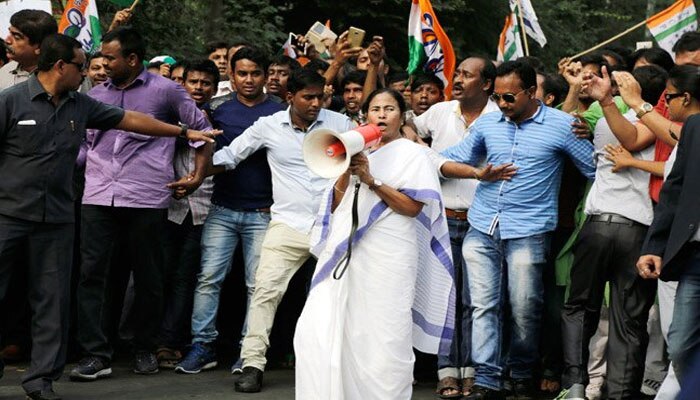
x,y
668,25
80,21
510,45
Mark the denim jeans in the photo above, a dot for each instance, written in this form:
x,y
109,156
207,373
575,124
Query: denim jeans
x,y
502,270
223,229
684,333
455,364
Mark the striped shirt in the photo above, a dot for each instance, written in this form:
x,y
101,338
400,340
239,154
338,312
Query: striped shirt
x,y
527,204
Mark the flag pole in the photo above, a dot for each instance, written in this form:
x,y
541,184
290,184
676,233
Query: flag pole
x,y
523,34
612,39
133,5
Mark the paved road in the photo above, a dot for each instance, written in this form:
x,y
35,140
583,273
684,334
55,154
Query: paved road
x,y
214,385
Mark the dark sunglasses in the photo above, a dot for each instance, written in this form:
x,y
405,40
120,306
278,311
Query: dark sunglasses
x,y
81,66
670,96
507,97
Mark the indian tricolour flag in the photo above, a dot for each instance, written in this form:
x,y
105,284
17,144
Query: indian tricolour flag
x,y
668,25
429,48
80,21
510,46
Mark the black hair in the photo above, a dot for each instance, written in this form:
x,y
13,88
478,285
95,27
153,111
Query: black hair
x,y
34,24
619,59
488,70
401,76
689,41
94,56
595,59
396,95
557,86
252,54
180,64
424,78
129,39
56,47
316,65
655,56
303,78
215,45
3,53
622,51
523,70
652,80
154,64
204,65
686,78
356,77
286,60
535,63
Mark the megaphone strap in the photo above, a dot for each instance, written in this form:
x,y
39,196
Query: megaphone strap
x,y
342,265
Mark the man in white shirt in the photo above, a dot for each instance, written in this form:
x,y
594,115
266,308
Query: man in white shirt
x,y
296,192
447,123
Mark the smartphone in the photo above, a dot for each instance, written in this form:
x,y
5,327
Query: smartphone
x,y
296,41
316,41
356,36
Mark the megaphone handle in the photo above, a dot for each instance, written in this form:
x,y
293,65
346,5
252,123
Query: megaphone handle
x,y
342,265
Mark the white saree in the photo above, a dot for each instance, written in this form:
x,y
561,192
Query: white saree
x,y
355,336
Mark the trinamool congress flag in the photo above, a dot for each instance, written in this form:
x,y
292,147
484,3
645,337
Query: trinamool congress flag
x,y
429,48
532,25
510,46
668,25
81,22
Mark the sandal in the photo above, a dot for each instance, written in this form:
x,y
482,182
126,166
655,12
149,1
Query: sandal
x,y
167,357
449,388
548,385
467,385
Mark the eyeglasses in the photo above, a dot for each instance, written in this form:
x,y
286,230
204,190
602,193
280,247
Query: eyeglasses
x,y
81,66
670,96
507,97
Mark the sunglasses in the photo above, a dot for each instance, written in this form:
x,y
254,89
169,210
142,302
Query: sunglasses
x,y
81,66
670,96
507,97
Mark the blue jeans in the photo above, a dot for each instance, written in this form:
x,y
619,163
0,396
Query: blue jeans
x,y
502,270
222,231
684,333
454,364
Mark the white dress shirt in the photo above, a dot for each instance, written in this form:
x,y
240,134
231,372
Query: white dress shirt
x,y
296,191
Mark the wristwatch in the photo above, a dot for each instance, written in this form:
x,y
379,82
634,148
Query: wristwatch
x,y
376,184
645,108
183,131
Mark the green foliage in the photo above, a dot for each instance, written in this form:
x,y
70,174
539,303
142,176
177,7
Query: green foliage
x,y
181,28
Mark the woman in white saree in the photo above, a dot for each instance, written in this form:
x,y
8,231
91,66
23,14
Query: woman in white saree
x,y
394,291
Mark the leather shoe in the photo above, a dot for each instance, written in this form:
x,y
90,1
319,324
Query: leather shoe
x,y
484,393
46,394
250,380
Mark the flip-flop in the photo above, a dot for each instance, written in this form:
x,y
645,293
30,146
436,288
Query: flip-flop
x,y
447,384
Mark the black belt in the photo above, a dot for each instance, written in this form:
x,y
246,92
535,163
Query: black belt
x,y
612,219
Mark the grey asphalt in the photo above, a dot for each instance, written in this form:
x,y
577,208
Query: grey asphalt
x,y
216,384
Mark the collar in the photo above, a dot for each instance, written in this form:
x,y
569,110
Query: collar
x,y
287,119
36,89
538,117
142,78
17,70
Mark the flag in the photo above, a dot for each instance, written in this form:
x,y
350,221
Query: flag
x,y
429,48
287,48
80,21
532,25
668,25
510,46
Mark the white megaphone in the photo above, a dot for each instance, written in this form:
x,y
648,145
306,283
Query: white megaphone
x,y
327,153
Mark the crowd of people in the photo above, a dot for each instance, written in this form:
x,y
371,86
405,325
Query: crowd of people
x,y
534,228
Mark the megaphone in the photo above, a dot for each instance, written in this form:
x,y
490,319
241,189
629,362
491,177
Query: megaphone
x,y
327,153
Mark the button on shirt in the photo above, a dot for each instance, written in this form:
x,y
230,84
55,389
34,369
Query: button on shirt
x,y
527,204
11,74
39,143
126,169
445,124
199,201
296,190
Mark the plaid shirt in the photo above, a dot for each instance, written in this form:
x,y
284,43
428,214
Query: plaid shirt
x,y
198,202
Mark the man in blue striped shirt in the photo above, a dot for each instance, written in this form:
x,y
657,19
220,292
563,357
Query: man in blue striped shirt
x,y
511,220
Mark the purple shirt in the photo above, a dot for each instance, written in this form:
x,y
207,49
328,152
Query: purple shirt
x,y
126,169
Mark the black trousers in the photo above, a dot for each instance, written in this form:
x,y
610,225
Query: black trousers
x,y
183,253
48,250
608,252
141,232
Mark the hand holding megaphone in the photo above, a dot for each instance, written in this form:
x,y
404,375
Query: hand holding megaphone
x,y
328,153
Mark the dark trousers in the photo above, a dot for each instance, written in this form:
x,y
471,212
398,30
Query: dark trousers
x,y
608,251
48,250
183,254
141,231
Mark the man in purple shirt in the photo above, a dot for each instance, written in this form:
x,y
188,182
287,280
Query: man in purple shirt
x,y
126,201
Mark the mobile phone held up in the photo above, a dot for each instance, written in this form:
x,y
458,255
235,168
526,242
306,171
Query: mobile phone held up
x,y
356,36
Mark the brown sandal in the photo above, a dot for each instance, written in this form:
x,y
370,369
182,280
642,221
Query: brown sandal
x,y
449,388
467,385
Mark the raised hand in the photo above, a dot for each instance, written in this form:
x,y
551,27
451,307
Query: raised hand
x,y
490,173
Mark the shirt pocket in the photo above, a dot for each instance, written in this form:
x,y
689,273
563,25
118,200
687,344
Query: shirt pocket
x,y
27,140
